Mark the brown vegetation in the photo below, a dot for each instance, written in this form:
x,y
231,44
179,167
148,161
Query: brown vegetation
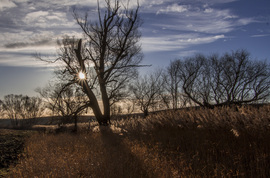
x,y
221,142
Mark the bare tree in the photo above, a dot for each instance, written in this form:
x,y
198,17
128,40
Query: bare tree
x,y
31,109
172,82
68,103
107,58
11,105
146,91
22,107
227,80
130,105
1,109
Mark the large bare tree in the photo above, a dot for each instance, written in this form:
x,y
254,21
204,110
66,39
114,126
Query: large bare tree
x,y
106,59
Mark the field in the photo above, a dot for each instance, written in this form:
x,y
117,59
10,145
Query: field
x,y
223,142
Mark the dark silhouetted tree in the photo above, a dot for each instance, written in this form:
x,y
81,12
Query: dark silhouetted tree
x,y
1,109
67,102
231,79
108,56
17,107
172,82
146,91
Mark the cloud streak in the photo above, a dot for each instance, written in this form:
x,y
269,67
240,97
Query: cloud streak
x,y
44,42
259,36
202,19
176,42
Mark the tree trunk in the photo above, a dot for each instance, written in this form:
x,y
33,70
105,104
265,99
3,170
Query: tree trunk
x,y
75,123
145,113
106,103
102,119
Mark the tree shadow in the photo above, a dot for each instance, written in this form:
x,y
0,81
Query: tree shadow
x,y
118,156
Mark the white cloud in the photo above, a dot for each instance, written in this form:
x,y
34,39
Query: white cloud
x,y
174,8
37,18
246,21
176,42
6,4
208,10
47,19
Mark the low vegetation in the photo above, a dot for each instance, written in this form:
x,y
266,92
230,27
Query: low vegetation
x,y
220,142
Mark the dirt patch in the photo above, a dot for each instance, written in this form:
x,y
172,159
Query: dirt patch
x,y
11,145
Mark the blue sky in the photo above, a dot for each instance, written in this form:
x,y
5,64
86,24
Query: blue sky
x,y
171,29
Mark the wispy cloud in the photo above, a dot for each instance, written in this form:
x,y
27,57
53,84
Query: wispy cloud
x,y
176,42
25,58
27,40
190,24
259,36
204,20
44,42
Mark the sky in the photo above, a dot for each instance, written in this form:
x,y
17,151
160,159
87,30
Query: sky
x,y
171,29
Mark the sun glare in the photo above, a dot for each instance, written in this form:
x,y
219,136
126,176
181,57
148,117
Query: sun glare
x,y
81,76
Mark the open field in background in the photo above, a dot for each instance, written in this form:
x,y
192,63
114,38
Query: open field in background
x,y
222,142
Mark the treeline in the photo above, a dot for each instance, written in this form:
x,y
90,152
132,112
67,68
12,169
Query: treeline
x,y
208,81
21,108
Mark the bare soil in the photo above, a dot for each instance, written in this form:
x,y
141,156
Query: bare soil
x,y
11,145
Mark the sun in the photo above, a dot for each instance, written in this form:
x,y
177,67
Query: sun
x,y
81,75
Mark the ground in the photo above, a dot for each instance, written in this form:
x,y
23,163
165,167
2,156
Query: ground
x,y
11,146
222,142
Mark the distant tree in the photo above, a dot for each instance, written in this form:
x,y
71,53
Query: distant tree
x,y
116,110
11,106
68,103
172,82
22,107
32,107
108,57
1,109
130,106
146,91
231,79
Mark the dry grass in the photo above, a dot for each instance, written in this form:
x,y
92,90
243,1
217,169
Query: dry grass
x,y
222,142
